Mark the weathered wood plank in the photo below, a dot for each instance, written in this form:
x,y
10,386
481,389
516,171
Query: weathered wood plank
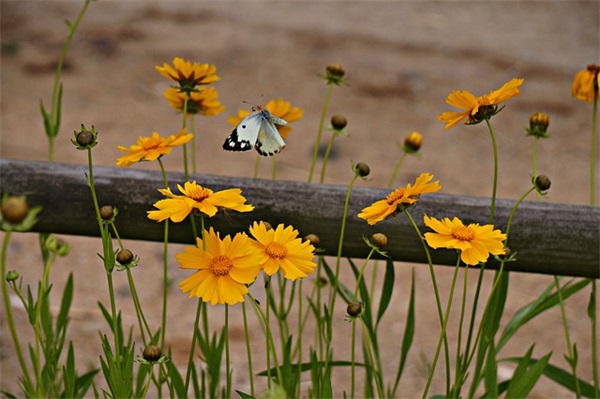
x,y
549,238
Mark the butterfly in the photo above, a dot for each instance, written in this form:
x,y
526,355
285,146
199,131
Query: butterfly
x,y
257,130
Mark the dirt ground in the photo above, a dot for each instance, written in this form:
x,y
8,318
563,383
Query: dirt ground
x,y
401,59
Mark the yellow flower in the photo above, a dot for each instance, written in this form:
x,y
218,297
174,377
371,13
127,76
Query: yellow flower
x,y
471,105
399,199
584,83
197,199
189,75
151,148
224,268
474,242
205,102
279,108
281,248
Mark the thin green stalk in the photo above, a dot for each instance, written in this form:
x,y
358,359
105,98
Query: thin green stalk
x,y
184,126
594,315
193,131
273,168
534,162
495,183
326,156
320,131
458,378
270,343
443,332
436,291
352,359
362,270
227,354
55,107
396,170
188,373
333,293
300,332
8,312
143,323
572,360
163,325
248,349
149,380
368,349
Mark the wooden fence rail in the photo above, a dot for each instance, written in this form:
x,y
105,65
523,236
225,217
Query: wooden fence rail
x,y
549,238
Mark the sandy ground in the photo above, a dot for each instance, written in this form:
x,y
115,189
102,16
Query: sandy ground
x,y
401,58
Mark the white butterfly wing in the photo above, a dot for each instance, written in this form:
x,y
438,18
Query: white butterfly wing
x,y
245,134
269,140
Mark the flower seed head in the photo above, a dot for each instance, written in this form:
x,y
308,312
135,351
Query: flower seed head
x,y
362,169
107,212
354,309
15,209
538,124
85,139
152,353
413,142
124,257
334,74
338,122
542,183
12,275
313,239
379,240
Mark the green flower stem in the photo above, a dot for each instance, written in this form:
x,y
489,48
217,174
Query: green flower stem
x,y
534,162
333,293
270,343
184,126
193,131
459,378
190,366
369,351
352,359
362,270
227,354
256,164
320,131
495,183
149,380
326,156
594,315
8,312
572,360
248,349
105,239
55,110
163,325
273,168
143,323
443,332
436,291
300,331
396,170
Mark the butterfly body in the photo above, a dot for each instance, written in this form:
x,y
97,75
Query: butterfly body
x,y
257,130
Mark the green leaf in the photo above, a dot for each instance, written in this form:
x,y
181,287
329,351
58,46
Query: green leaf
x,y
62,319
175,380
526,375
544,302
490,373
387,289
409,333
244,395
346,294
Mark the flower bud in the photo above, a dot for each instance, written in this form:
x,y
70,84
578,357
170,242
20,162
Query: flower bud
x,y
107,212
334,74
267,225
413,142
57,245
85,139
538,124
362,169
313,239
124,257
12,275
354,309
152,353
542,183
15,209
379,240
338,122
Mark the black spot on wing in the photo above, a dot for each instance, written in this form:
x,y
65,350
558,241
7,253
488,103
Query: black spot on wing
x,y
272,152
233,143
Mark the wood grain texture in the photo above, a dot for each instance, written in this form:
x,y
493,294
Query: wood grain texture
x,y
549,238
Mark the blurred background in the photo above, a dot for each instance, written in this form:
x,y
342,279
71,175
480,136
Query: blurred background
x,y
401,61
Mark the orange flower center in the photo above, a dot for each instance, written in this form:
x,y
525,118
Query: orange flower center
x,y
463,233
276,250
199,194
220,265
395,196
